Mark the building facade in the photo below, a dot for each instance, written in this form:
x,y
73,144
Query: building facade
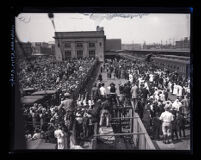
x,y
80,44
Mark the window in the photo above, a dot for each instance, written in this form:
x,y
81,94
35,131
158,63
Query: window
x,y
67,54
91,45
79,45
79,54
92,53
67,44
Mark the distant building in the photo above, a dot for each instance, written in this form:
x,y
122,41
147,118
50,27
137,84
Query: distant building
x,y
53,49
183,43
42,48
23,47
80,44
113,44
135,46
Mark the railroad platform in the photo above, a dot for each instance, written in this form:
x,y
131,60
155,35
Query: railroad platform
x,y
163,146
40,144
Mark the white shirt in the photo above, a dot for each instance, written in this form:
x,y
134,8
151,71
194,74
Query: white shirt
x,y
180,89
131,78
146,85
175,89
102,91
166,117
151,78
60,138
176,105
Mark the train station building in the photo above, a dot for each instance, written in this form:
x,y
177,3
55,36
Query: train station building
x,y
80,44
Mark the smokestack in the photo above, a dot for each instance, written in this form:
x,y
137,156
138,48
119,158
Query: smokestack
x,y
99,28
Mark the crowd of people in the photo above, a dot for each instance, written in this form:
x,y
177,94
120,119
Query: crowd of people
x,y
45,73
68,78
148,90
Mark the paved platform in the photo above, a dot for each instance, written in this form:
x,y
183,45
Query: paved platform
x,y
183,144
40,144
162,146
108,81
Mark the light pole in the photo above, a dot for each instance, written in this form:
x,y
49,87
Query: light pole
x,y
51,17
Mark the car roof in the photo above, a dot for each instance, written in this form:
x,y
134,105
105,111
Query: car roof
x,y
31,99
44,92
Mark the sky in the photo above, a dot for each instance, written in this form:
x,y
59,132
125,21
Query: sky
x,y
140,28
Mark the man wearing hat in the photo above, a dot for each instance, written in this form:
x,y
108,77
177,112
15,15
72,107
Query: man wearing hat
x,y
67,102
166,118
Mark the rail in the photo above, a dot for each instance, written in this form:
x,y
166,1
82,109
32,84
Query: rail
x,y
142,140
139,134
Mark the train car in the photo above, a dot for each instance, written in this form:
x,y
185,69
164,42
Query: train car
x,y
30,100
50,95
174,63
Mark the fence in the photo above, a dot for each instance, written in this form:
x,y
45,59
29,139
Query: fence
x,y
142,140
138,132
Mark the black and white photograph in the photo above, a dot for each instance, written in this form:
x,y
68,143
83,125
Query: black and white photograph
x,y
104,81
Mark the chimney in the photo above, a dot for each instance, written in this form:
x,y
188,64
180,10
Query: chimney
x,y
99,28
